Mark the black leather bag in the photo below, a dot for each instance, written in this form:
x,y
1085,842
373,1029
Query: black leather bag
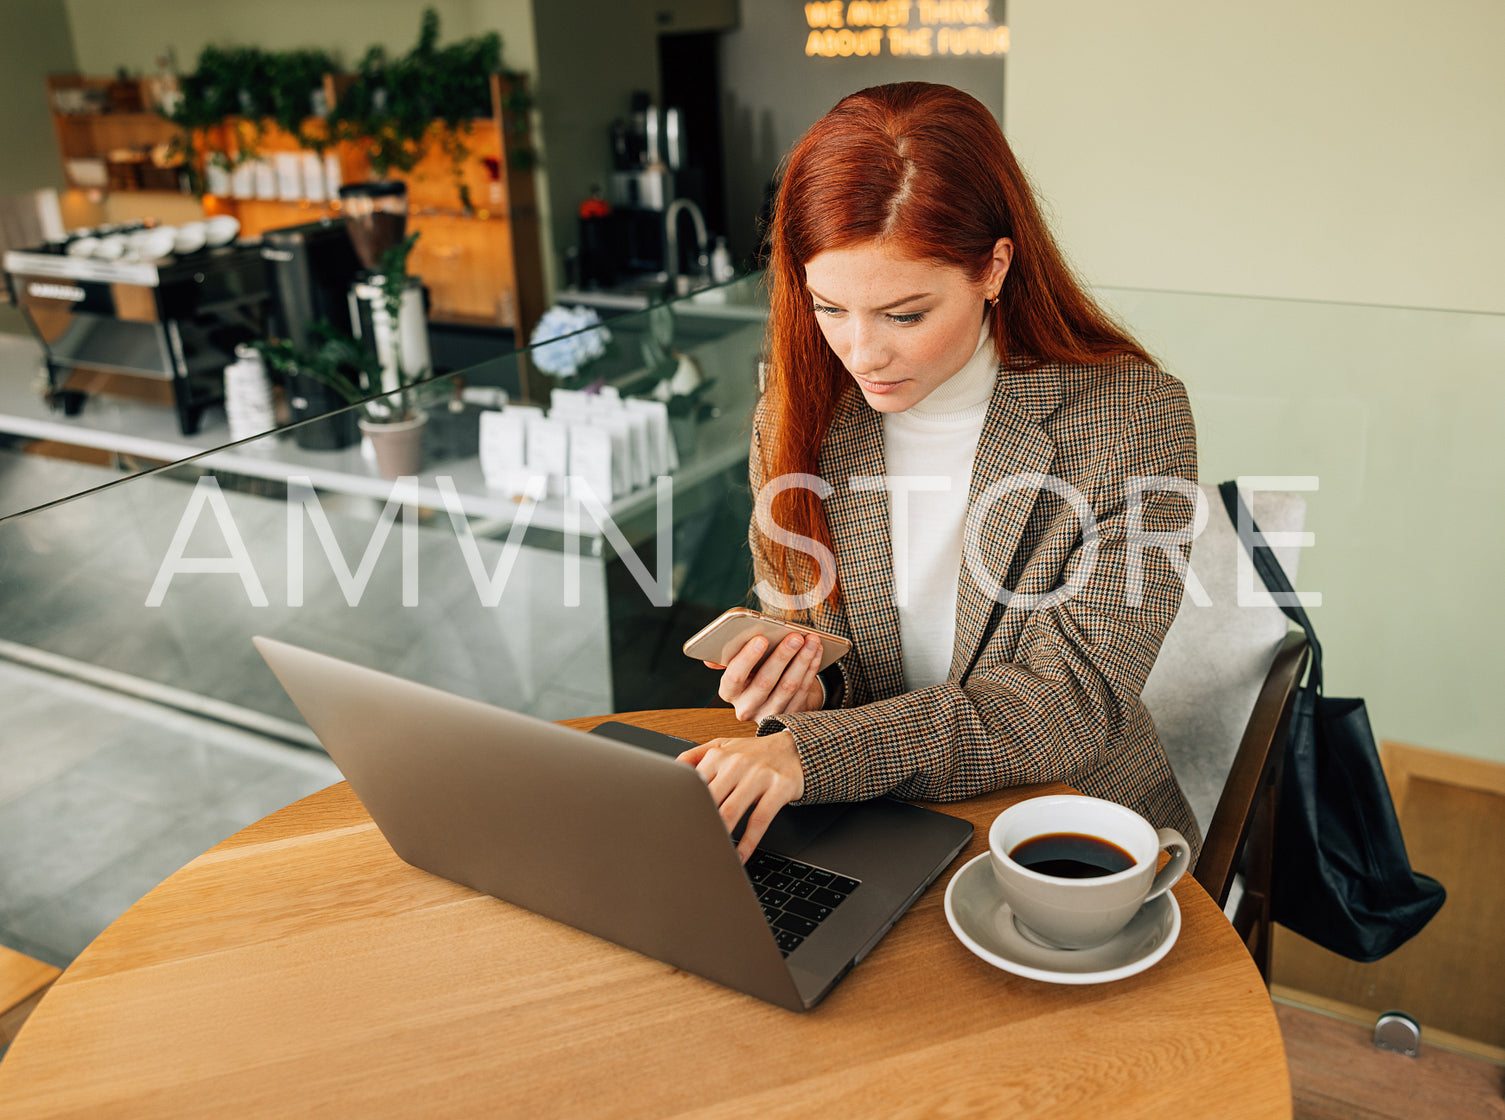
x,y
1341,875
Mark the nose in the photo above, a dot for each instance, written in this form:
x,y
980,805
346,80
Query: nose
x,y
866,352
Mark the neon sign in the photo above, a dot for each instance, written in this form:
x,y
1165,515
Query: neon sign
x,y
903,28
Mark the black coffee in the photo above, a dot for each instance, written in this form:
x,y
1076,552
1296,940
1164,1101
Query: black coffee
x,y
1071,855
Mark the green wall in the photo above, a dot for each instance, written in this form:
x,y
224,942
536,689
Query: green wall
x,y
34,42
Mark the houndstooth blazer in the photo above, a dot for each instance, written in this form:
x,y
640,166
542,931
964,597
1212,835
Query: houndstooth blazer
x,y
1055,692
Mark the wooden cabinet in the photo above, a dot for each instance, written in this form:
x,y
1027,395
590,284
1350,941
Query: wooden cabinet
x,y
98,120
478,250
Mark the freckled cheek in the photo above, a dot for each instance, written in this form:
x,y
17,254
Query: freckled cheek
x,y
929,350
834,339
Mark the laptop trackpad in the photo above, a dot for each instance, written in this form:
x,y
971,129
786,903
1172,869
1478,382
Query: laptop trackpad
x,y
798,826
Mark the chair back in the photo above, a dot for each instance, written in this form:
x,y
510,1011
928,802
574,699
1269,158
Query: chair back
x,y
1221,694
1217,653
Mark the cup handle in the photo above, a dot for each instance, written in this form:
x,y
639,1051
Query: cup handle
x,y
1171,873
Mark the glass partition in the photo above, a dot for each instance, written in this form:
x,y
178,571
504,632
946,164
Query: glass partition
x,y
1393,415
549,555
549,561
568,604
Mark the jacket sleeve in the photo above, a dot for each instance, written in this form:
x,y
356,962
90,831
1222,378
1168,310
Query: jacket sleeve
x,y
1051,693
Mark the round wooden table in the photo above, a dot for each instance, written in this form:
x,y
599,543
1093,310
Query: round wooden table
x,y
301,968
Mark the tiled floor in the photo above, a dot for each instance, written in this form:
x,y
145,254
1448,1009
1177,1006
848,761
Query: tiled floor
x,y
102,796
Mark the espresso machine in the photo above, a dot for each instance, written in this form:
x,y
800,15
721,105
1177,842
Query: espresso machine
x,y
635,244
642,183
165,316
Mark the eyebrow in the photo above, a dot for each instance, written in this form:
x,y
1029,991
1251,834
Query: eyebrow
x,y
885,307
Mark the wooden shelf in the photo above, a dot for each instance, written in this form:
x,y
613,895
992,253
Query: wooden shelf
x,y
482,266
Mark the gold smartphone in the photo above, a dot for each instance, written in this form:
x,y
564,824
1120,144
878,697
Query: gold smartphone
x,y
720,641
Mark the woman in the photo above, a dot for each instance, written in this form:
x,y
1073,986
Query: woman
x,y
943,457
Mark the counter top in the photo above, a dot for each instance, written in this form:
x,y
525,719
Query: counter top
x,y
147,431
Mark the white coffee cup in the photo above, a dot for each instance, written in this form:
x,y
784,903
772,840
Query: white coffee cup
x,y
1072,913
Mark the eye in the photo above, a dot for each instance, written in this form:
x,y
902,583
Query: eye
x,y
822,309
907,317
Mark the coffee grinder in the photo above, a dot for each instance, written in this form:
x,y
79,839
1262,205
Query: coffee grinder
x,y
377,213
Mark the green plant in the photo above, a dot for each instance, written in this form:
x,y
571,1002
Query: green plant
x,y
248,86
394,102
293,80
389,109
332,358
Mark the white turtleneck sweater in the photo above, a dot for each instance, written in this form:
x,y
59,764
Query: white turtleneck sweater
x,y
929,451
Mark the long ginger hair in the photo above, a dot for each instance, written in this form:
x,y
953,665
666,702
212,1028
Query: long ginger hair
x,y
925,169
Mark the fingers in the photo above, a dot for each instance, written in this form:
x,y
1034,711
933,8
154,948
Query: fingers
x,y
788,692
739,674
751,777
757,825
755,694
764,793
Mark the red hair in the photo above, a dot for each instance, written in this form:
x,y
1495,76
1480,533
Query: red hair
x,y
925,169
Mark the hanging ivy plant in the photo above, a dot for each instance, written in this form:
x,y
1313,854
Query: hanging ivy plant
x,y
390,109
295,93
394,102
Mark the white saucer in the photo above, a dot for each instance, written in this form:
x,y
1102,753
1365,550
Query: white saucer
x,y
983,922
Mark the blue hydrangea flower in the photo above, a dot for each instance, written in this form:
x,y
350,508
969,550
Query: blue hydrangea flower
x,y
577,344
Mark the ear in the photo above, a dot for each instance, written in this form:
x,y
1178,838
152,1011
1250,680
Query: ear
x,y
1003,256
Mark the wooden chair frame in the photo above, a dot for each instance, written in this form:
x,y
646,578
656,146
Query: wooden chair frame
x,y
23,982
1242,834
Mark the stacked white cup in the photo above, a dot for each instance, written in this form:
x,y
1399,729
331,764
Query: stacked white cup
x,y
248,395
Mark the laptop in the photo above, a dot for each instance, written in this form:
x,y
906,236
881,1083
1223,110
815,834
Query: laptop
x,y
607,832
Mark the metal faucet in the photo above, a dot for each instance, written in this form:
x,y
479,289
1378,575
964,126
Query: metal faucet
x,y
671,237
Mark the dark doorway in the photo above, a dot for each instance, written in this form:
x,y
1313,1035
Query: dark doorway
x,y
689,75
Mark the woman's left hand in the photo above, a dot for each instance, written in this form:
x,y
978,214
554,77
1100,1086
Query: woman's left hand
x,y
762,774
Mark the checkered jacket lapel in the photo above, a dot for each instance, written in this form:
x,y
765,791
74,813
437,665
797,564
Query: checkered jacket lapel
x,y
1012,442
860,537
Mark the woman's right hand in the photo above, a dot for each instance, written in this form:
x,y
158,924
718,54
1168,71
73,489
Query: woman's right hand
x,y
787,681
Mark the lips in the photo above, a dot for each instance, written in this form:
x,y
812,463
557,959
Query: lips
x,y
878,387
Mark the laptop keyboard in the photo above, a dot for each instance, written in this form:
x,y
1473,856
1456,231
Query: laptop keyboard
x,y
796,897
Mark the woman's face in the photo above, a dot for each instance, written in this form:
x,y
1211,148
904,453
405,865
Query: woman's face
x,y
901,327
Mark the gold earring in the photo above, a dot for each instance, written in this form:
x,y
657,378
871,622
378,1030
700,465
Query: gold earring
x,y
992,301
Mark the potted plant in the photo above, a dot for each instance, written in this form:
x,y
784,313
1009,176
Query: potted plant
x,y
393,108
385,391
245,88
